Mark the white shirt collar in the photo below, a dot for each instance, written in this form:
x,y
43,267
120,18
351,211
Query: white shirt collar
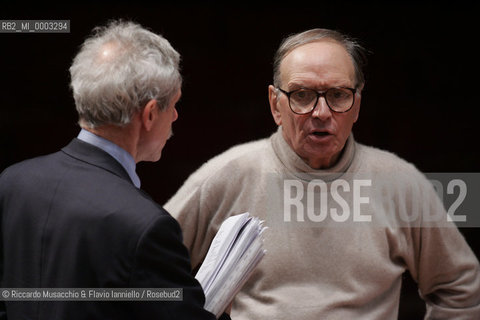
x,y
121,155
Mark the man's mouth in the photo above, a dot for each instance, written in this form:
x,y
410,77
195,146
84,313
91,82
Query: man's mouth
x,y
320,133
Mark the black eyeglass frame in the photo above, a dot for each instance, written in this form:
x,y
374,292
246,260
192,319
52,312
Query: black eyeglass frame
x,y
319,94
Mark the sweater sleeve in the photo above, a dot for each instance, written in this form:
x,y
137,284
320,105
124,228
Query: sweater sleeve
x,y
203,202
446,269
213,193
193,215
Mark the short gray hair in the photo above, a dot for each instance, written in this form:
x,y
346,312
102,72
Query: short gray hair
x,y
354,49
118,70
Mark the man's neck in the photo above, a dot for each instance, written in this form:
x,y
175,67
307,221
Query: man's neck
x,y
124,137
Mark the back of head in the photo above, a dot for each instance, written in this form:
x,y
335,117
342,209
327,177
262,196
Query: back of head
x,y
353,48
118,70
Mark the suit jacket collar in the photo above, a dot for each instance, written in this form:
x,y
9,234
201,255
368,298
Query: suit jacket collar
x,y
86,152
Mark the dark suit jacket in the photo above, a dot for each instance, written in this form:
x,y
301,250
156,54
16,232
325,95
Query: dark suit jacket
x,y
73,219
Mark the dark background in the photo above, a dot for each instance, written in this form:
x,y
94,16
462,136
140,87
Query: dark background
x,y
420,99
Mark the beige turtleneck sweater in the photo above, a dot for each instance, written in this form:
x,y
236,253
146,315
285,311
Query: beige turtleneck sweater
x,y
332,267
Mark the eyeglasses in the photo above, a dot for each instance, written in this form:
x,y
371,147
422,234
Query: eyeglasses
x,y
303,100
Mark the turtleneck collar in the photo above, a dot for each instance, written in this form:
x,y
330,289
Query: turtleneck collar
x,y
300,169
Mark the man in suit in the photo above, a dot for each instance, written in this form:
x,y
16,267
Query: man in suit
x,y
77,218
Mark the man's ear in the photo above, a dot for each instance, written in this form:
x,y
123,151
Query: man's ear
x,y
149,114
273,99
358,100
357,110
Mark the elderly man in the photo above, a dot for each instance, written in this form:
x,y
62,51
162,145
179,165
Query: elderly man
x,y
346,220
77,218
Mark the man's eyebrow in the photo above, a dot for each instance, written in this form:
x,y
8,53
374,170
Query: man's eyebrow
x,y
319,86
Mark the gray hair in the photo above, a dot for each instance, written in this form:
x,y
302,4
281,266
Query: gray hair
x,y
354,49
118,70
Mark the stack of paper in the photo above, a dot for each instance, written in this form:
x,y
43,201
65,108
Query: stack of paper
x,y
235,251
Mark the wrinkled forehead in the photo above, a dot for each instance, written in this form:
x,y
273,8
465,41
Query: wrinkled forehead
x,y
324,59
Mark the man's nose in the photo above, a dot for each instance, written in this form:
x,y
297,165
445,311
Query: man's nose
x,y
322,111
175,114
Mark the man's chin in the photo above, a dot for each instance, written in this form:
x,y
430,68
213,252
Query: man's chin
x,y
156,158
319,156
152,158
